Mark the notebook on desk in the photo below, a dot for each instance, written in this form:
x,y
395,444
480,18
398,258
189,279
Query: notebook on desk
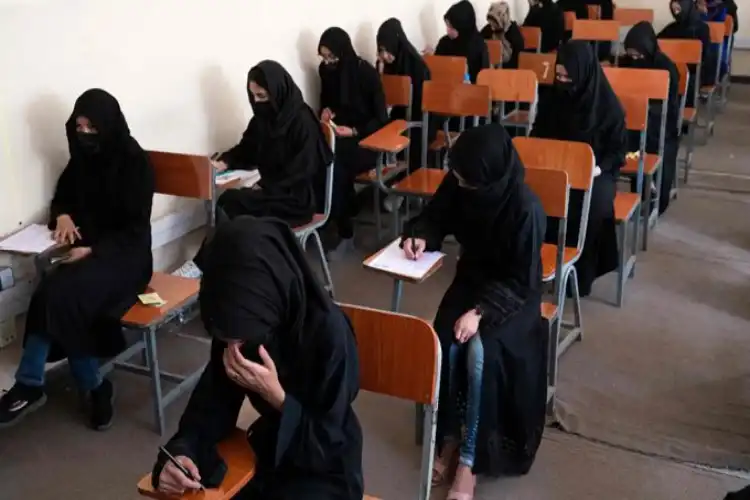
x,y
31,240
244,178
392,260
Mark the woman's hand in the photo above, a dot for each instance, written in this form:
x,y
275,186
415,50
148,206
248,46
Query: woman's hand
x,y
66,232
327,115
344,131
260,378
428,51
76,254
220,166
467,326
414,248
173,482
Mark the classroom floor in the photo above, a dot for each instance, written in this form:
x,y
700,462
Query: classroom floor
x,y
658,383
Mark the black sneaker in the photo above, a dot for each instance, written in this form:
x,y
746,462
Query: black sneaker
x,y
18,402
101,407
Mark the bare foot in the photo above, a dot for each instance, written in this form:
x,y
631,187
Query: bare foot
x,y
445,463
463,484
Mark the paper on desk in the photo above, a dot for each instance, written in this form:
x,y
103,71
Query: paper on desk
x,y
248,178
393,260
151,299
33,239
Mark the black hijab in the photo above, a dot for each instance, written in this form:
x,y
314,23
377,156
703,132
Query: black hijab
x,y
642,38
485,158
463,18
257,287
342,78
113,134
407,59
285,101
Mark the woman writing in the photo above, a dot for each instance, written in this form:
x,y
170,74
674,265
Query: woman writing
x,y
279,341
489,325
545,15
351,96
463,39
101,209
501,27
582,107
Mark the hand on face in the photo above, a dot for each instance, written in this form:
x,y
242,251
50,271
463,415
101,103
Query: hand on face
x,y
259,378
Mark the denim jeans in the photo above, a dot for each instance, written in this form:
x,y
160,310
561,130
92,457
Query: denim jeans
x,y
465,429
30,370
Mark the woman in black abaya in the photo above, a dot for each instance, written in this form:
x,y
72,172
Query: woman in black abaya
x,y
643,52
582,107
493,338
102,210
501,27
279,341
463,39
351,96
547,16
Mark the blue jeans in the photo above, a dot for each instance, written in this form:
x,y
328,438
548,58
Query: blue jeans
x,y
30,370
468,426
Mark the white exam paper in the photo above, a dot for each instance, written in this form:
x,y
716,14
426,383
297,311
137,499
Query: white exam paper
x,y
393,260
33,239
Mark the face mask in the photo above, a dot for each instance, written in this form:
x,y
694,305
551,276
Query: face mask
x,y
633,62
564,87
330,66
89,143
263,110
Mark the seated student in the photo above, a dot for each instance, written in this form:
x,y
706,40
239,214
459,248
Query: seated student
x,y
642,51
582,107
399,57
463,39
101,209
351,97
280,342
500,27
492,399
285,143
716,12
545,15
688,25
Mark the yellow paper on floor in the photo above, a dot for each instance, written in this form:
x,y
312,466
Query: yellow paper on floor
x,y
151,299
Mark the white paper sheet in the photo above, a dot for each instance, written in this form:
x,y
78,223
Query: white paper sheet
x,y
248,178
393,260
32,239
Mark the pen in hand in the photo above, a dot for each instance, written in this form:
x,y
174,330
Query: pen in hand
x,y
413,245
180,466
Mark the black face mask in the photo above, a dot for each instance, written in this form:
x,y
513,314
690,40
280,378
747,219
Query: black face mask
x,y
263,110
679,16
89,143
331,66
564,87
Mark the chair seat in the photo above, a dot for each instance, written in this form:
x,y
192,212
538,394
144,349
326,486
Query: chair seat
x,y
549,257
440,141
517,117
649,166
240,460
315,222
689,115
423,182
176,291
387,172
549,311
625,205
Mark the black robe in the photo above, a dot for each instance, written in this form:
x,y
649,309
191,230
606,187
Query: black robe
x,y
515,39
108,196
288,149
469,43
551,20
258,288
500,230
589,113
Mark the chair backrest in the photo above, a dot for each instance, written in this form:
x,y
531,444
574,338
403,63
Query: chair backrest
x,y
330,136
451,69
718,31
631,17
636,120
510,85
456,99
495,50
594,12
728,26
596,31
682,69
543,65
397,89
184,175
532,38
652,83
686,51
552,189
570,20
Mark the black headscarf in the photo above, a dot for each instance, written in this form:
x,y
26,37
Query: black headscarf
x,y
343,76
463,18
113,135
407,59
642,38
285,101
258,287
485,158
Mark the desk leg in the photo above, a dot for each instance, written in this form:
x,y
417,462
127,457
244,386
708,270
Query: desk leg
x,y
398,290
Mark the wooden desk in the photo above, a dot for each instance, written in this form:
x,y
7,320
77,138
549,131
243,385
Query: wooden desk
x,y
424,182
388,139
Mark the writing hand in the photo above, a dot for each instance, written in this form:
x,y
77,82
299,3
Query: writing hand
x,y
173,482
66,232
327,115
220,166
414,248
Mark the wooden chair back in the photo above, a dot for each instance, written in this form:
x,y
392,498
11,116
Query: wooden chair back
x,y
510,85
682,69
552,189
543,66
636,111
631,17
682,51
532,38
399,355
596,31
397,90
652,83
450,69
729,26
456,99
570,20
184,175
594,12
718,31
495,50
575,158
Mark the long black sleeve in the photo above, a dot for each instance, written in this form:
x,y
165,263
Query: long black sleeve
x,y
243,156
372,87
302,150
434,223
612,148
515,38
63,201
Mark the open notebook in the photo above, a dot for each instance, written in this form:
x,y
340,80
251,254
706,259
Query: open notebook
x,y
392,260
33,239
244,178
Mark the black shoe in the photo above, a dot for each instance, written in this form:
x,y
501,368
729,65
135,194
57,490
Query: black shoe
x,y
102,411
18,402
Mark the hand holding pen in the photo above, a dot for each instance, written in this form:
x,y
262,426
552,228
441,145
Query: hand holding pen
x,y
414,248
178,475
